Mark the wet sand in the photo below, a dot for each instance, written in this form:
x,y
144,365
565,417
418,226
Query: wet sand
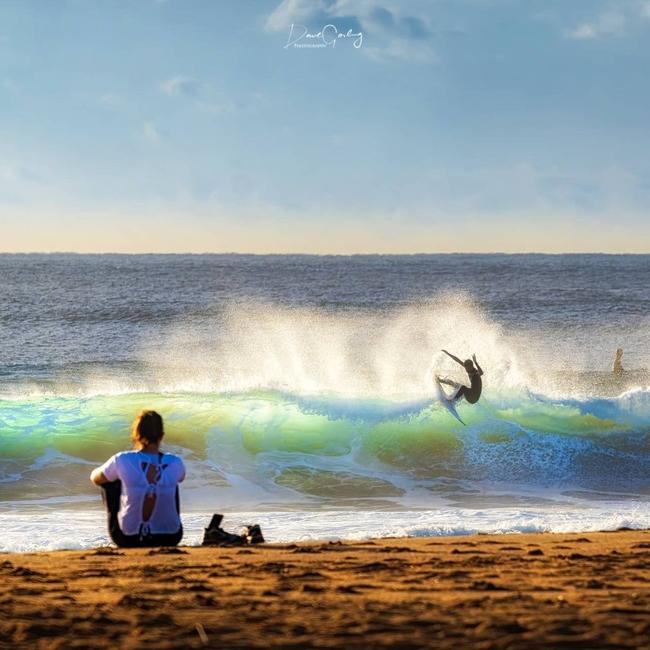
x,y
587,590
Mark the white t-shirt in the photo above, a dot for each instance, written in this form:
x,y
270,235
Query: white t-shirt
x,y
131,467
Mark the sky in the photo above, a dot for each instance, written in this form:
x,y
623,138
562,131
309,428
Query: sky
x,y
388,127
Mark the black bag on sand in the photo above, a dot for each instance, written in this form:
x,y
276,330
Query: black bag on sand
x,y
214,535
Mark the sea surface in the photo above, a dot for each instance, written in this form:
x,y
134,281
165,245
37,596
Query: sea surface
x,y
298,390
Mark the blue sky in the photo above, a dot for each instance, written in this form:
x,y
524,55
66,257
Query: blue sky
x,y
187,125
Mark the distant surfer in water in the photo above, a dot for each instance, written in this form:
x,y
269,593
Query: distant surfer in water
x,y
471,393
617,370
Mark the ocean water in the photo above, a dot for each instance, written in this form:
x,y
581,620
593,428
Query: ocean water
x,y
298,390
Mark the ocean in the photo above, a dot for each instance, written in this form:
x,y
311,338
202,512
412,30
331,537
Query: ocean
x,y
298,389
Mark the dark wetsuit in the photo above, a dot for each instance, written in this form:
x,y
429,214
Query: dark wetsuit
x,y
473,392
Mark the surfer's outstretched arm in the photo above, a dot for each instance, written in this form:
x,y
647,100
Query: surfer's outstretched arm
x,y
456,359
480,370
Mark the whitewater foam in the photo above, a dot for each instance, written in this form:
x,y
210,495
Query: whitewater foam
x,y
31,531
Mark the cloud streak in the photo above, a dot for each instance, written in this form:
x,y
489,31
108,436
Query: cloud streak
x,y
617,20
186,86
201,94
151,133
610,23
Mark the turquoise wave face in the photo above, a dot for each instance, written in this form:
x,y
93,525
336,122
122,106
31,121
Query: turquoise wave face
x,y
275,444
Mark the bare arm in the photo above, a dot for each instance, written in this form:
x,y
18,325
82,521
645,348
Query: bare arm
x,y
97,477
456,359
480,370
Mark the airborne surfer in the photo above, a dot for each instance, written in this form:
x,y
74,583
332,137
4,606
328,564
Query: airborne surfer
x,y
471,393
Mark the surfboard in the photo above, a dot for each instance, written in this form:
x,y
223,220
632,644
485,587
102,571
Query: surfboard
x,y
445,401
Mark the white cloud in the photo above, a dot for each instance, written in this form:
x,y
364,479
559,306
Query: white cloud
x,y
112,100
201,95
609,23
294,11
619,18
584,31
187,86
151,133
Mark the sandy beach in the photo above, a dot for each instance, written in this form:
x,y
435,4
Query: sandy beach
x,y
506,591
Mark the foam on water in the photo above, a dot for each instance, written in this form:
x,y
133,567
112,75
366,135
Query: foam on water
x,y
50,530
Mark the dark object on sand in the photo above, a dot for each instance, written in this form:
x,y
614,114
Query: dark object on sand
x,y
253,534
214,535
215,522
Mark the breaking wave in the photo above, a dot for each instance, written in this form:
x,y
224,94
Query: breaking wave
x,y
304,410
277,446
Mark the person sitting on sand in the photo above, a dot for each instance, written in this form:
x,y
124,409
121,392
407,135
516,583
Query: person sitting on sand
x,y
471,393
141,488
617,370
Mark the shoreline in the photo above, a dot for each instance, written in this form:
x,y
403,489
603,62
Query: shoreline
x,y
521,590
39,530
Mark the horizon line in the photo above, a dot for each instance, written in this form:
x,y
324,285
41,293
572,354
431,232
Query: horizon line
x,y
310,254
